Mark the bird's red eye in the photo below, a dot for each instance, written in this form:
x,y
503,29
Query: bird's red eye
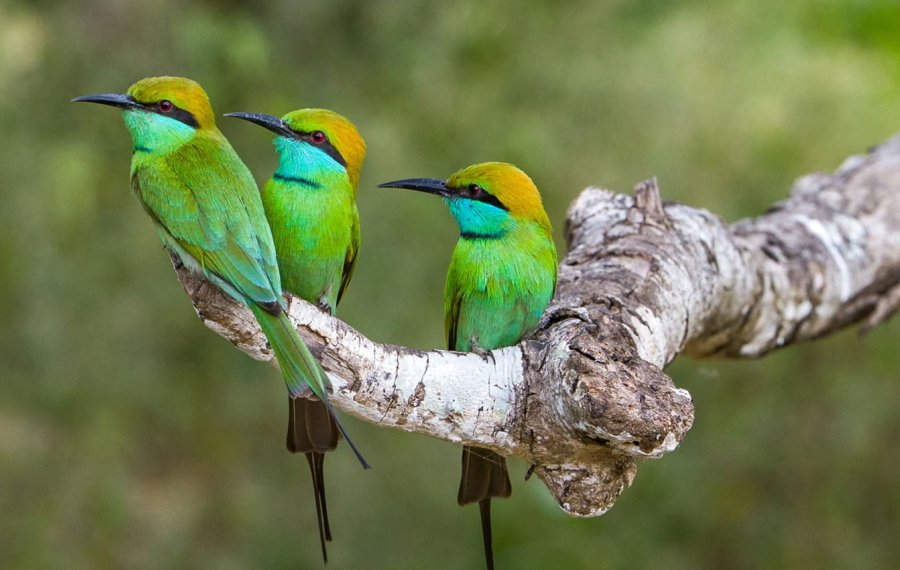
x,y
318,137
476,191
165,106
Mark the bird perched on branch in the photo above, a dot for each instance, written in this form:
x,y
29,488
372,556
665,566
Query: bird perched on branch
x,y
502,276
207,210
310,203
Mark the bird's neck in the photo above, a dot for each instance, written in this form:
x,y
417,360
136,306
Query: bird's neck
x,y
522,260
152,133
478,220
302,165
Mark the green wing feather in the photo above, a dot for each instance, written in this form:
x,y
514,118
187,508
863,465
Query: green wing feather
x,y
206,205
223,228
352,253
452,303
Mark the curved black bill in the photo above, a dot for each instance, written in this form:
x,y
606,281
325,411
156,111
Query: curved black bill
x,y
429,185
112,99
274,124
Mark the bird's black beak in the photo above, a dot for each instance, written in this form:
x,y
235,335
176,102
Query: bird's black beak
x,y
274,124
429,185
112,99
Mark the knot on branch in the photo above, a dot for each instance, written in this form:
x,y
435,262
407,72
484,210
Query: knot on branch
x,y
593,407
589,490
607,398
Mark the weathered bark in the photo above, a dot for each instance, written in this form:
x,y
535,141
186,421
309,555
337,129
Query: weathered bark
x,y
585,397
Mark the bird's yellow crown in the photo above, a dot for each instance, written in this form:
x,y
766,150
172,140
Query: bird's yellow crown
x,y
512,187
184,93
341,133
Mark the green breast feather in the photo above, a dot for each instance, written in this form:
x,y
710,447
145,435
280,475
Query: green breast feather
x,y
497,289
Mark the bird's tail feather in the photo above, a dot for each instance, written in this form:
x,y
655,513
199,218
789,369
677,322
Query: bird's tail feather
x,y
484,476
318,464
298,366
311,427
312,431
315,470
485,507
340,426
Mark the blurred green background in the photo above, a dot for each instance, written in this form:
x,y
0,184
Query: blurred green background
x,y
132,437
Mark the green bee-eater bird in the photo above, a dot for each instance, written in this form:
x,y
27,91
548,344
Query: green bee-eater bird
x,y
502,276
310,203
206,207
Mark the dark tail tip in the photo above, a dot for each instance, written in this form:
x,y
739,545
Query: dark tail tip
x,y
530,471
322,524
340,426
485,507
359,455
319,462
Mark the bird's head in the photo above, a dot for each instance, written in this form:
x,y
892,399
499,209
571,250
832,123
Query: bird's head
x,y
313,139
486,199
161,112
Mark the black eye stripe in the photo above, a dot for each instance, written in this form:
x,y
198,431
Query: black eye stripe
x,y
491,199
480,194
176,113
325,145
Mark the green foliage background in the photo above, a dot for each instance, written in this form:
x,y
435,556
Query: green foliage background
x,y
132,437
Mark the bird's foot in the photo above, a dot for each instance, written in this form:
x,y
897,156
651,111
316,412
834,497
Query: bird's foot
x,y
483,353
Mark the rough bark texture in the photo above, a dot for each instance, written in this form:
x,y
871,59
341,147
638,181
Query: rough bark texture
x,y
585,398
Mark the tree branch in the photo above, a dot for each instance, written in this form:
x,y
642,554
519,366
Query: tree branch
x,y
643,281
